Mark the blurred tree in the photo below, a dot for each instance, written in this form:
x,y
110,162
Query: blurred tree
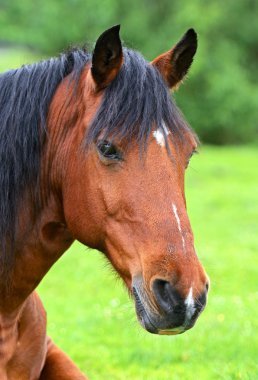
x,y
222,96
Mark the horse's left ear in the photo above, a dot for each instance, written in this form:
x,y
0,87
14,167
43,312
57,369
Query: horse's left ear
x,y
174,64
107,57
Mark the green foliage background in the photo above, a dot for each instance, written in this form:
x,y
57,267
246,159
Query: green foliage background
x,y
220,100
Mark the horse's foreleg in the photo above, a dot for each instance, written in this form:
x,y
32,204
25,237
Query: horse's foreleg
x,y
58,366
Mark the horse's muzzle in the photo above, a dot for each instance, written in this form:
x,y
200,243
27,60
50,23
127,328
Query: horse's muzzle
x,y
172,313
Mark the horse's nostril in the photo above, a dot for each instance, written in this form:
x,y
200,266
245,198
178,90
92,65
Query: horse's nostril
x,y
207,285
168,299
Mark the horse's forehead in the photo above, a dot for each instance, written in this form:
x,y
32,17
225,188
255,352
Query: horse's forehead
x,y
161,134
153,162
171,145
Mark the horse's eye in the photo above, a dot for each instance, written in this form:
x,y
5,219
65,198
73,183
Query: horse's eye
x,y
108,150
192,153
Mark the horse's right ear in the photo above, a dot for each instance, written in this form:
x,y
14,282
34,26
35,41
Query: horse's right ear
x,y
107,57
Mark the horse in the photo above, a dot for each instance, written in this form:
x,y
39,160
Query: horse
x,y
94,149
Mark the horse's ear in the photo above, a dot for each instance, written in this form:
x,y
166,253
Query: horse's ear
x,y
174,64
107,57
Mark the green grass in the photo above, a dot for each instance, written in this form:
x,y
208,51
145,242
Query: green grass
x,y
92,319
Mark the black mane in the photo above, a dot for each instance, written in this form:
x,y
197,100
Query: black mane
x,y
25,96
133,104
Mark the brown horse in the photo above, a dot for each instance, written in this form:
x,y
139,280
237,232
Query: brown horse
x,y
93,148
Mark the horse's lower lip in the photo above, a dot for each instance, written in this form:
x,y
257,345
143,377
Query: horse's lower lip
x,y
151,325
154,325
172,331
147,323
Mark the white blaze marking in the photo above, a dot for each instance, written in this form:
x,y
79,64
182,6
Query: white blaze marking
x,y
178,224
189,303
159,134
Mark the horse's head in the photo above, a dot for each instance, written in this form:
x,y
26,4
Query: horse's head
x,y
123,186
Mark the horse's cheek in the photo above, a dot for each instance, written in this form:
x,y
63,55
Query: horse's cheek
x,y
83,208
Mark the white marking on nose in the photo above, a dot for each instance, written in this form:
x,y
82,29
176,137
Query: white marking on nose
x,y
189,303
178,224
159,134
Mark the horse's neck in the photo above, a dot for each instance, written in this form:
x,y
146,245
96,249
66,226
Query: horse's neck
x,y
37,249
41,242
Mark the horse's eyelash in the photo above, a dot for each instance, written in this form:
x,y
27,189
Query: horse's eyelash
x,y
195,151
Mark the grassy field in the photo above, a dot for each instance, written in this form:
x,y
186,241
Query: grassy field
x,y
92,319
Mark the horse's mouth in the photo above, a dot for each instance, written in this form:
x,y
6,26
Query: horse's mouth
x,y
172,332
173,322
153,323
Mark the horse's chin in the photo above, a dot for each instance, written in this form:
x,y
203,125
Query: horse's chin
x,y
171,332
151,327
